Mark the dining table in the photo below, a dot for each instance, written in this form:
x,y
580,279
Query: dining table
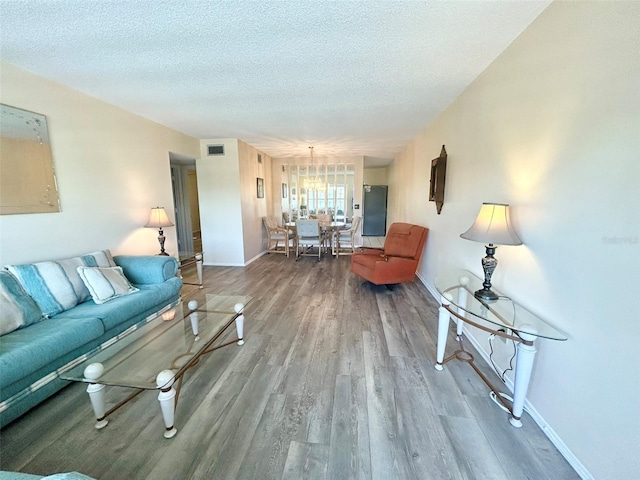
x,y
332,227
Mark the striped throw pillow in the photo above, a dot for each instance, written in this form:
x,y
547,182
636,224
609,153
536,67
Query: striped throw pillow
x,y
48,284
56,286
17,308
105,283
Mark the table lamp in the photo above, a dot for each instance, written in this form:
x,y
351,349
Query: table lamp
x,y
158,219
493,227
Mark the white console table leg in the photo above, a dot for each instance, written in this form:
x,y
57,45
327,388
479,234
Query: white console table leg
x,y
199,268
443,329
167,396
96,393
462,300
524,365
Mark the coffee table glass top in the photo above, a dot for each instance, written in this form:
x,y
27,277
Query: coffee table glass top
x,y
503,312
165,342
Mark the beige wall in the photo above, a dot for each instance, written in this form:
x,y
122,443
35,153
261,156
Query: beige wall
x,y
111,168
254,208
375,176
552,128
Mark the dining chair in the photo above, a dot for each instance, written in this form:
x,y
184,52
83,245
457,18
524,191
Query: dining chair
x,y
325,220
309,235
344,241
279,239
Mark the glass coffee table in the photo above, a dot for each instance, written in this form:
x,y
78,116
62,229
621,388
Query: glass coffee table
x,y
155,353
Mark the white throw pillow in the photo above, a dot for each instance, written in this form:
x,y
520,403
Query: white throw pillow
x,y
105,283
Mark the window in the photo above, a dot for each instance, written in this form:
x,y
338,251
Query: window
x,y
325,188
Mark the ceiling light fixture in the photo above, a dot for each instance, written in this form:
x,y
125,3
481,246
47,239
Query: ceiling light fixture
x,y
313,182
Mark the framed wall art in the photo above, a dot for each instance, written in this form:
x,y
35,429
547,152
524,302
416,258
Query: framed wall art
x,y
260,187
438,175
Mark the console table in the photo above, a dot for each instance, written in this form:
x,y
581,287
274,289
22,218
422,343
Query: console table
x,y
193,259
503,318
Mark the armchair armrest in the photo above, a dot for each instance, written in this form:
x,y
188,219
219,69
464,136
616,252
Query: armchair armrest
x,y
147,269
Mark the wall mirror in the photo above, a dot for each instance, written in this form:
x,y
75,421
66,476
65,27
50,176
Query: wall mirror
x,y
27,178
438,175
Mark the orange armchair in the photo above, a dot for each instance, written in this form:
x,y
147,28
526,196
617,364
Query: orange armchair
x,y
398,261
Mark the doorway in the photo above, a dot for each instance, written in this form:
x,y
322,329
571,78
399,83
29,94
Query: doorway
x,y
184,181
374,216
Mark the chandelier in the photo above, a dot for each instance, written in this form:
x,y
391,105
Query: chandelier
x,y
313,183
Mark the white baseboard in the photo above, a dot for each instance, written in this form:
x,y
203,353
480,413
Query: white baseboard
x,y
580,469
219,264
226,264
264,252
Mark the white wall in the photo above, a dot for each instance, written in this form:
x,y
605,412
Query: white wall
x,y
219,193
111,168
230,212
552,127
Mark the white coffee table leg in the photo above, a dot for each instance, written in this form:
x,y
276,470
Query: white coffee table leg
x,y
167,396
443,329
524,365
96,393
193,317
239,307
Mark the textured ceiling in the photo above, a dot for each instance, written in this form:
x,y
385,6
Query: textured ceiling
x,y
350,77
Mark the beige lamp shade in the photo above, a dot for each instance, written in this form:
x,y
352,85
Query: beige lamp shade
x,y
158,219
493,226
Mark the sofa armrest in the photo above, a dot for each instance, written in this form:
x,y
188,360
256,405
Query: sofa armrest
x,y
147,269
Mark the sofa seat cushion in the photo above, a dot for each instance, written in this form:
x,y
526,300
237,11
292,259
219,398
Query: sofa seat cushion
x,y
29,349
121,309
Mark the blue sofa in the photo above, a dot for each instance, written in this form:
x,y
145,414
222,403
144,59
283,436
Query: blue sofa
x,y
33,355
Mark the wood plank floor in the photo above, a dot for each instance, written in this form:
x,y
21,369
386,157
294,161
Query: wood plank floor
x,y
335,381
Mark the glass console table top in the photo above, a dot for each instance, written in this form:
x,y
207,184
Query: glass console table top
x,y
503,312
164,342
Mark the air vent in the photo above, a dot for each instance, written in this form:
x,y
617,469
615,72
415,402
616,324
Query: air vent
x,y
215,149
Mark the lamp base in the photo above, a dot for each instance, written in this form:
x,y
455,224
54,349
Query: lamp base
x,y
486,294
489,264
161,242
